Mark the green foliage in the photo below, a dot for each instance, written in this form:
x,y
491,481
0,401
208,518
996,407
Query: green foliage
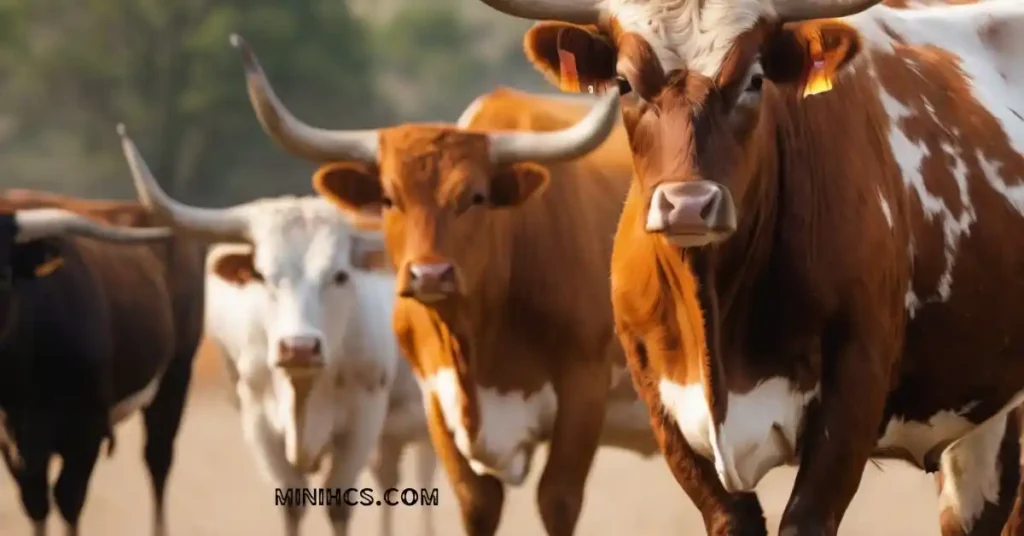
x,y
69,71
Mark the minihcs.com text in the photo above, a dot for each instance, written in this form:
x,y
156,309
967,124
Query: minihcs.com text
x,y
292,497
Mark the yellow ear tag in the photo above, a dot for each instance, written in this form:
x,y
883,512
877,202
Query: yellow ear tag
x,y
820,71
49,267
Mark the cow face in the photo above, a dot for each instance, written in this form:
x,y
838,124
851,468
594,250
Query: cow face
x,y
701,84
438,194
302,268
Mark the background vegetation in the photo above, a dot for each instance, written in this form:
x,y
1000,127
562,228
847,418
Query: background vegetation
x,y
69,71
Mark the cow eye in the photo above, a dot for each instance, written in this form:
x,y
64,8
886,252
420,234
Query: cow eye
x,y
478,199
756,81
340,277
386,202
624,86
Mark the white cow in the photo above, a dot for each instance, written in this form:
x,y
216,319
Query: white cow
x,y
302,314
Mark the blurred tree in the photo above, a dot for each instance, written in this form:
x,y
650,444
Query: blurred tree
x,y
69,71
433,65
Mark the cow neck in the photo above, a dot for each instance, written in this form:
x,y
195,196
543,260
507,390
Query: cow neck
x,y
453,324
724,276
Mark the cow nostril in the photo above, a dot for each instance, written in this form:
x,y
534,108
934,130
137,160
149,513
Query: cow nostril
x,y
448,274
708,207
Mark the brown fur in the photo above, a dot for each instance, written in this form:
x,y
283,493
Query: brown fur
x,y
532,267
811,286
94,331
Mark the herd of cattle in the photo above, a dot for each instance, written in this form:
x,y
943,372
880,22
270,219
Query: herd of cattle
x,y
811,216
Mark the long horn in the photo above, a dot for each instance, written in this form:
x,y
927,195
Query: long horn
x,y
221,224
573,142
37,223
298,138
574,11
799,10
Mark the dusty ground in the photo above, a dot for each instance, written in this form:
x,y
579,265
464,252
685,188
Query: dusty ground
x,y
216,491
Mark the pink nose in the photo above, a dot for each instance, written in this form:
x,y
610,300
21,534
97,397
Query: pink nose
x,y
692,213
429,280
299,352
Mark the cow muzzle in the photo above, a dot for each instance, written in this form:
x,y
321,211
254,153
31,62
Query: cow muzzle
x,y
692,213
429,282
297,354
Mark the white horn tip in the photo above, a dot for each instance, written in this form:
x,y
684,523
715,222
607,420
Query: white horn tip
x,y
122,130
236,40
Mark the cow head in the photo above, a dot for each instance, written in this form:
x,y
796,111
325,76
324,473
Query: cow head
x,y
305,261
702,80
26,253
437,189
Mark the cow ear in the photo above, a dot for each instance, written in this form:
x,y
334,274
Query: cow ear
x,y
35,259
571,57
514,184
368,253
236,268
810,54
353,187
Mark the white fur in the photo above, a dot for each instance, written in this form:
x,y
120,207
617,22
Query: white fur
x,y
886,210
760,431
300,244
512,423
684,35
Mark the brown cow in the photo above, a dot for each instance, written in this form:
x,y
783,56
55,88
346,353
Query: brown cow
x,y
503,307
861,293
114,325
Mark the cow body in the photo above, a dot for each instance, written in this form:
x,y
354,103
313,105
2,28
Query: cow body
x,y
817,279
79,357
237,321
503,308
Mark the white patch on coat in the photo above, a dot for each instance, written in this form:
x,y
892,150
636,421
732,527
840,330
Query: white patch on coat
x,y
135,401
970,472
760,431
696,35
886,210
511,423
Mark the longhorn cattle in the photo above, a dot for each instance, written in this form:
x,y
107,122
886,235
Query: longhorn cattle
x,y
820,256
301,309
96,321
503,308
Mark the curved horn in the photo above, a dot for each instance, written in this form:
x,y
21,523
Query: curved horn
x,y
298,138
37,223
573,142
799,10
222,224
574,11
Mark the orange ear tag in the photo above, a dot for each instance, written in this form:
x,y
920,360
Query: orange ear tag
x,y
820,71
48,267
568,75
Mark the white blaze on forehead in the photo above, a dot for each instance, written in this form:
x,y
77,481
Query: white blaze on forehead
x,y
687,33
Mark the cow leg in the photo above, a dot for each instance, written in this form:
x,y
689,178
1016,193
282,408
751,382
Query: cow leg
x,y
481,497
978,478
352,448
79,451
426,466
30,471
385,472
582,396
724,513
268,449
162,420
838,439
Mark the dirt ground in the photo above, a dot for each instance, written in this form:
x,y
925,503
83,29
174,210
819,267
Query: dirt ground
x,y
216,491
